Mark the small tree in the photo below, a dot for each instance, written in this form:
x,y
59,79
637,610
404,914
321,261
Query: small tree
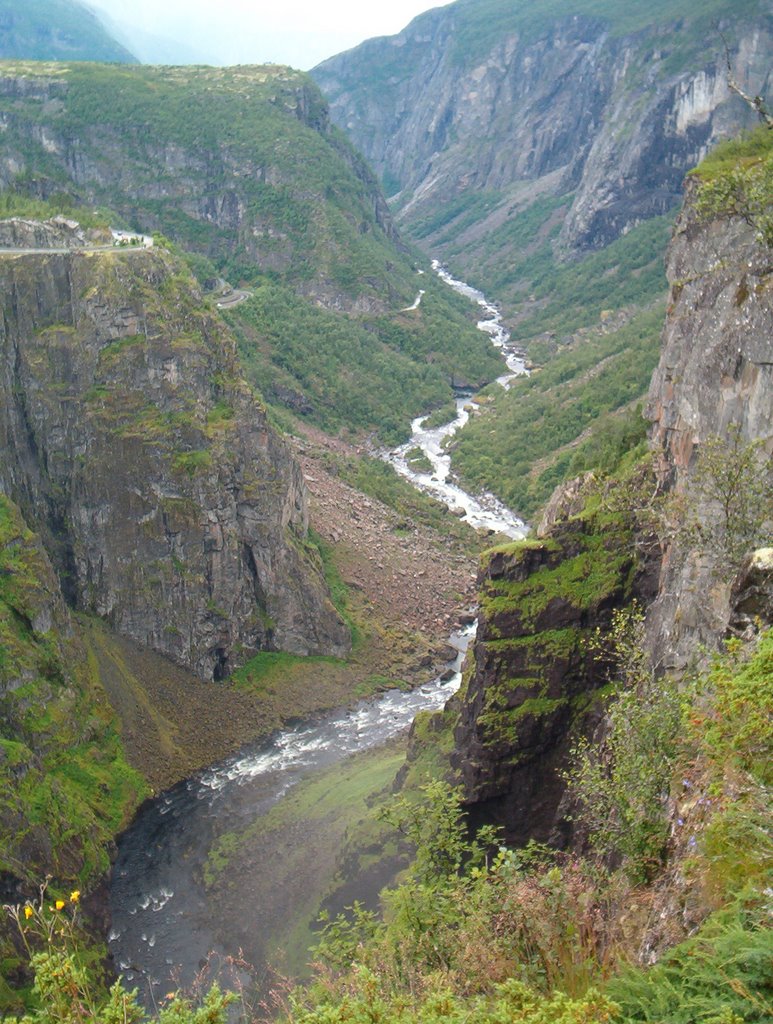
x,y
730,498
622,784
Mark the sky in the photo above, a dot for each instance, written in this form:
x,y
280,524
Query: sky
x,y
297,32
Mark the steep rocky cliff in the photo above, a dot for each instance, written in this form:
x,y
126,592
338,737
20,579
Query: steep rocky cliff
x,y
531,683
168,505
534,672
240,164
606,105
714,379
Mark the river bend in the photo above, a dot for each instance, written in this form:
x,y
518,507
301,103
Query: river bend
x,y
162,923
163,926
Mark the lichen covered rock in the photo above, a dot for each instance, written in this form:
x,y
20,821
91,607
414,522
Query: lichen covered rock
x,y
168,504
534,676
715,376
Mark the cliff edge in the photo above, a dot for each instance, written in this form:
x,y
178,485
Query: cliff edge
x,y
130,441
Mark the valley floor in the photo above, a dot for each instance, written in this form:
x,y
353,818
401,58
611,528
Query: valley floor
x,y
407,587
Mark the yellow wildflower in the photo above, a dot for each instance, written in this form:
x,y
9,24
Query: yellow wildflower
x,y
59,905
75,895
28,912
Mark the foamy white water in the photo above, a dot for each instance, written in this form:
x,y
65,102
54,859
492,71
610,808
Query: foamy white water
x,y
483,511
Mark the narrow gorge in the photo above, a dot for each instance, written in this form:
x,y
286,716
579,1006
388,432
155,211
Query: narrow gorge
x,y
386,565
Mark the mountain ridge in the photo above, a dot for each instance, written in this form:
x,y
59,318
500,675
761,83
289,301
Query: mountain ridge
x,y
606,105
56,30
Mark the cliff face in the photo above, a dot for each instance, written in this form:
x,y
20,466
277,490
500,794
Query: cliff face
x,y
239,164
606,110
715,375
167,503
532,681
534,675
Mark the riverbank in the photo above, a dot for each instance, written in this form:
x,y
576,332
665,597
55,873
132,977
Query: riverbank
x,y
191,858
404,576
407,586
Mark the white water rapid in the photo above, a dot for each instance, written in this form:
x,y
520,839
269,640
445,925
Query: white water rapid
x,y
164,924
483,511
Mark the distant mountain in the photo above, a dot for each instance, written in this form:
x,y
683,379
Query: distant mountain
x,y
56,30
242,166
499,125
151,47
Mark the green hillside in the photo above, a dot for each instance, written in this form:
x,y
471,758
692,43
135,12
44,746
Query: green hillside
x,y
480,23
241,168
56,30
576,413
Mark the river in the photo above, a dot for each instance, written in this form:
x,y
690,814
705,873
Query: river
x,y
164,925
483,511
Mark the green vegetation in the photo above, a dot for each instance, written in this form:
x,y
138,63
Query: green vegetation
x,y
418,461
65,787
532,937
64,777
563,297
14,203
327,332
516,262
439,417
344,844
192,463
748,149
542,602
360,374
736,179
482,23
308,212
65,989
461,211
728,506
527,442
474,932
621,784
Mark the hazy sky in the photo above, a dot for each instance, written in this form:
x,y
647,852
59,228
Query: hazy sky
x,y
297,32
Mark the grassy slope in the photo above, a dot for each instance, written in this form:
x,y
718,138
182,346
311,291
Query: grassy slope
x,y
67,787
167,146
334,850
258,132
541,938
559,421
367,373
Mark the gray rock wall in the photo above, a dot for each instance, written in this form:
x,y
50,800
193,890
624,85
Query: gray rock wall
x,y
168,504
715,373
576,107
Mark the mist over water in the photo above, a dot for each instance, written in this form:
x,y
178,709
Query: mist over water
x,y
163,927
